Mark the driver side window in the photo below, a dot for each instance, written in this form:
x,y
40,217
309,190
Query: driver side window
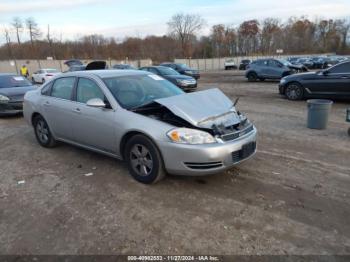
x,y
88,89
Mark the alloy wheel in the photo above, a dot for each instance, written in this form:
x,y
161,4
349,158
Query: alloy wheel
x,y
42,131
141,160
293,92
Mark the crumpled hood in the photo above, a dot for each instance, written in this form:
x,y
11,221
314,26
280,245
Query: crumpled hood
x,y
203,108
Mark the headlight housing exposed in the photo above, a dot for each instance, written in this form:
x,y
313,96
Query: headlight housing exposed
x,y
4,99
190,136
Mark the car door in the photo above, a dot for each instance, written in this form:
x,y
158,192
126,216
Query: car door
x,y
333,81
58,107
93,127
338,79
275,69
263,68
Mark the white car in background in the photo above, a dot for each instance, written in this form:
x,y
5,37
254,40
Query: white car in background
x,y
230,64
43,75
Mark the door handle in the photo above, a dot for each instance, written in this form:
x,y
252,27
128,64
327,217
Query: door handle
x,y
77,110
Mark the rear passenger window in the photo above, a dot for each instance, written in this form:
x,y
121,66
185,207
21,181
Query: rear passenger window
x,y
62,88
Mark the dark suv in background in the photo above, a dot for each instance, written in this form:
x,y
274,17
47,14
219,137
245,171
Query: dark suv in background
x,y
186,83
243,65
183,69
262,69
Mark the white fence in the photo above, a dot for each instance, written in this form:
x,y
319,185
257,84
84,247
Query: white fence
x,y
13,66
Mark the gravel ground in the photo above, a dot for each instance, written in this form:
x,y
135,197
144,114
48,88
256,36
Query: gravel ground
x,y
291,198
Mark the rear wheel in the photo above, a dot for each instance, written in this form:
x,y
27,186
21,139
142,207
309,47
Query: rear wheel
x,y
252,77
43,133
294,91
144,160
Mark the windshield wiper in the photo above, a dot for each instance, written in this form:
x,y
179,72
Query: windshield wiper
x,y
142,105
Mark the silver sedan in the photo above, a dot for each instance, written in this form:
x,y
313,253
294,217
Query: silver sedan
x,y
144,119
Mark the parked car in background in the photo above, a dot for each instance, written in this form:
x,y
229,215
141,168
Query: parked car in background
x,y
143,119
262,69
305,61
183,69
230,64
296,68
43,75
123,66
77,65
186,83
12,90
329,83
244,64
292,60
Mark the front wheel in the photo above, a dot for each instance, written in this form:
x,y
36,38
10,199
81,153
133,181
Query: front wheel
x,y
294,91
144,160
43,133
252,77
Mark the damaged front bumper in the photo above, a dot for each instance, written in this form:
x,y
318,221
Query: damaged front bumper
x,y
197,160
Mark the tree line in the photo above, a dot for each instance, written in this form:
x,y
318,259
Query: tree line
x,y
297,35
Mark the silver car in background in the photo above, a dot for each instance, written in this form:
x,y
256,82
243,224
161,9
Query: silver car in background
x,y
144,119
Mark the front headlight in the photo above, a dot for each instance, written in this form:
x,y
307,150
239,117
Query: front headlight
x,y
4,99
283,81
190,136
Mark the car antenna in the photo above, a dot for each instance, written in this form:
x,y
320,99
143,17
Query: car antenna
x,y
236,101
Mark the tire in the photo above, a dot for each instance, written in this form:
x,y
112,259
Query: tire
x,y
262,79
43,133
294,91
252,77
144,160
33,81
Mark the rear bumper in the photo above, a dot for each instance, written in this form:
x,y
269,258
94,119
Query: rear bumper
x,y
198,160
11,108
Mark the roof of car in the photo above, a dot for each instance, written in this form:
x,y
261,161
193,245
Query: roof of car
x,y
106,73
7,74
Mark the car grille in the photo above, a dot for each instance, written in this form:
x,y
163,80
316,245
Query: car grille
x,y
246,151
235,135
206,165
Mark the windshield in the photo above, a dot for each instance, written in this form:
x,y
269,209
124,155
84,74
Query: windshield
x,y
167,71
136,90
183,66
8,81
285,62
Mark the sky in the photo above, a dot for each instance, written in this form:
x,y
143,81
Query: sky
x,y
121,18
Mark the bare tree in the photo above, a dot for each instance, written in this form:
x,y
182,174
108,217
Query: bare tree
x,y
184,27
33,29
8,42
18,26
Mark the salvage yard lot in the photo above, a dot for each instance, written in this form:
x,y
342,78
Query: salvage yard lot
x,y
291,198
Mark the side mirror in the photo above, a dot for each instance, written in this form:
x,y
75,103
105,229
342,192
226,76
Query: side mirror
x,y
96,102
